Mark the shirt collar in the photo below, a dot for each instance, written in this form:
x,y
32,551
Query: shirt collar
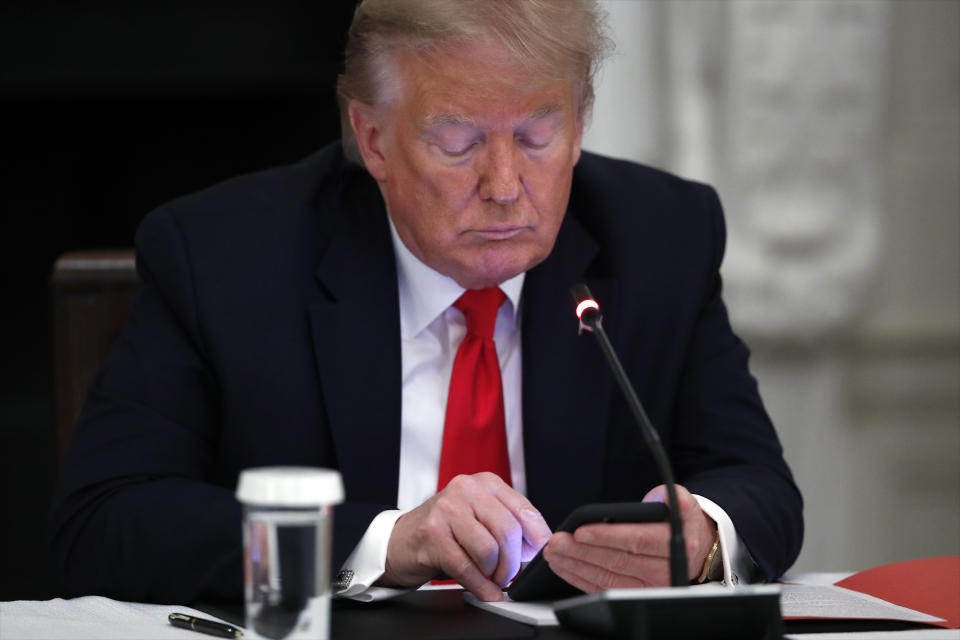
x,y
426,293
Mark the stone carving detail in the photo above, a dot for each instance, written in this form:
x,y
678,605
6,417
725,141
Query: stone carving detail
x,y
780,105
802,110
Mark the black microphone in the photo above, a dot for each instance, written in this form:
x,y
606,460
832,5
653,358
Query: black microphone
x,y
699,612
588,311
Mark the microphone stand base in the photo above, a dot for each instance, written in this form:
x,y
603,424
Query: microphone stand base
x,y
711,611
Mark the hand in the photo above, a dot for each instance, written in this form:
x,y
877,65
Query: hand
x,y
608,556
477,531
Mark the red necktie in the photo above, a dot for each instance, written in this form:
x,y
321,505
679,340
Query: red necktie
x,y
474,432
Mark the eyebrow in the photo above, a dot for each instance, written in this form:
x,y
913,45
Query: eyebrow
x,y
445,118
548,109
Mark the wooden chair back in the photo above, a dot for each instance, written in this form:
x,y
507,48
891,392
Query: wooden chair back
x,y
92,294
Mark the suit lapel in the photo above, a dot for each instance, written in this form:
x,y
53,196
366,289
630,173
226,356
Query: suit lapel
x,y
356,339
565,380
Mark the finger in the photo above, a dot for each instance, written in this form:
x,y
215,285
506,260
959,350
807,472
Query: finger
x,y
490,532
507,532
455,562
478,542
560,567
489,521
504,517
649,570
684,498
491,536
657,494
535,530
699,529
590,577
474,516
650,540
642,538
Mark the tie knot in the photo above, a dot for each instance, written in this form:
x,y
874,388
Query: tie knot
x,y
480,306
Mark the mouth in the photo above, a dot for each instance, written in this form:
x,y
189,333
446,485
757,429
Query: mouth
x,y
498,232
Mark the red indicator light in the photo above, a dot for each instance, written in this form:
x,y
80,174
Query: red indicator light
x,y
586,304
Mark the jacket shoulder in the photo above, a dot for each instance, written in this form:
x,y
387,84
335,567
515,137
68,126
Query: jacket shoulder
x,y
597,175
267,192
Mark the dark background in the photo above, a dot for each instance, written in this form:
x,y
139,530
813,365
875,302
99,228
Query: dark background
x,y
107,110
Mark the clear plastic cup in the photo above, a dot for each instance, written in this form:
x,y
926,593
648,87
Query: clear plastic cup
x,y
287,531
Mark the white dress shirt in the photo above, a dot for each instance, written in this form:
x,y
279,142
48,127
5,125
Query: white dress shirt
x,y
431,330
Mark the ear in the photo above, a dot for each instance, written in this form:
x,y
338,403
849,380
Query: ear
x,y
367,124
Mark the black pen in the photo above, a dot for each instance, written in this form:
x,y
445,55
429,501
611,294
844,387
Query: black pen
x,y
184,621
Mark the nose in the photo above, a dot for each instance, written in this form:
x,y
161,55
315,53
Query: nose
x,y
500,175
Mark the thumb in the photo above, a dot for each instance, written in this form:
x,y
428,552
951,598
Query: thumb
x,y
657,494
688,504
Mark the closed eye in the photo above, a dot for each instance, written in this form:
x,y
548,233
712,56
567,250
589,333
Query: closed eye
x,y
457,152
538,135
532,143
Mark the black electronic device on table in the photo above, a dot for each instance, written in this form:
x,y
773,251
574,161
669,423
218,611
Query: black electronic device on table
x,y
538,582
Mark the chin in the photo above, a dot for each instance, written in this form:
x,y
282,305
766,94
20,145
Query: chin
x,y
495,269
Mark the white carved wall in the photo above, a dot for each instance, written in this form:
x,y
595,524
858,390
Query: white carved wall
x,y
831,129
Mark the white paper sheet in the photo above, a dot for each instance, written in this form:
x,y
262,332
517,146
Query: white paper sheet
x,y
536,613
828,601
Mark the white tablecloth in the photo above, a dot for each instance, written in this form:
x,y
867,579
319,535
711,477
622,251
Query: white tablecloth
x,y
92,618
97,618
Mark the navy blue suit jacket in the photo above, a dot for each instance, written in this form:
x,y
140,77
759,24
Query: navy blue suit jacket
x,y
267,333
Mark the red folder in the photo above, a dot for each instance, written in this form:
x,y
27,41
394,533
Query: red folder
x,y
928,585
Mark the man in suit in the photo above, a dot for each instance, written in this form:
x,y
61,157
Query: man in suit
x,y
312,314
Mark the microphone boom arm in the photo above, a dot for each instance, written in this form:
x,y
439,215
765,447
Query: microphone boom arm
x,y
588,312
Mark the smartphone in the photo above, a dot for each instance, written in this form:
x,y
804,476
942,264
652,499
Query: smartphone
x,y
538,582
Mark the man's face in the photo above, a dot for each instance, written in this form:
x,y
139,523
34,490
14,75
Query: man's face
x,y
474,156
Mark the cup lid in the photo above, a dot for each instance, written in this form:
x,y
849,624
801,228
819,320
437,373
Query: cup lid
x,y
290,486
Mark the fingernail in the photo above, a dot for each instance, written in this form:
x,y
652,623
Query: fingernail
x,y
584,536
530,513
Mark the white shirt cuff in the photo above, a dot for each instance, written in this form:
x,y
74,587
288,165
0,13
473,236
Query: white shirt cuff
x,y
737,563
368,561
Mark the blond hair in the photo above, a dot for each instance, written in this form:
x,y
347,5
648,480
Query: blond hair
x,y
563,38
